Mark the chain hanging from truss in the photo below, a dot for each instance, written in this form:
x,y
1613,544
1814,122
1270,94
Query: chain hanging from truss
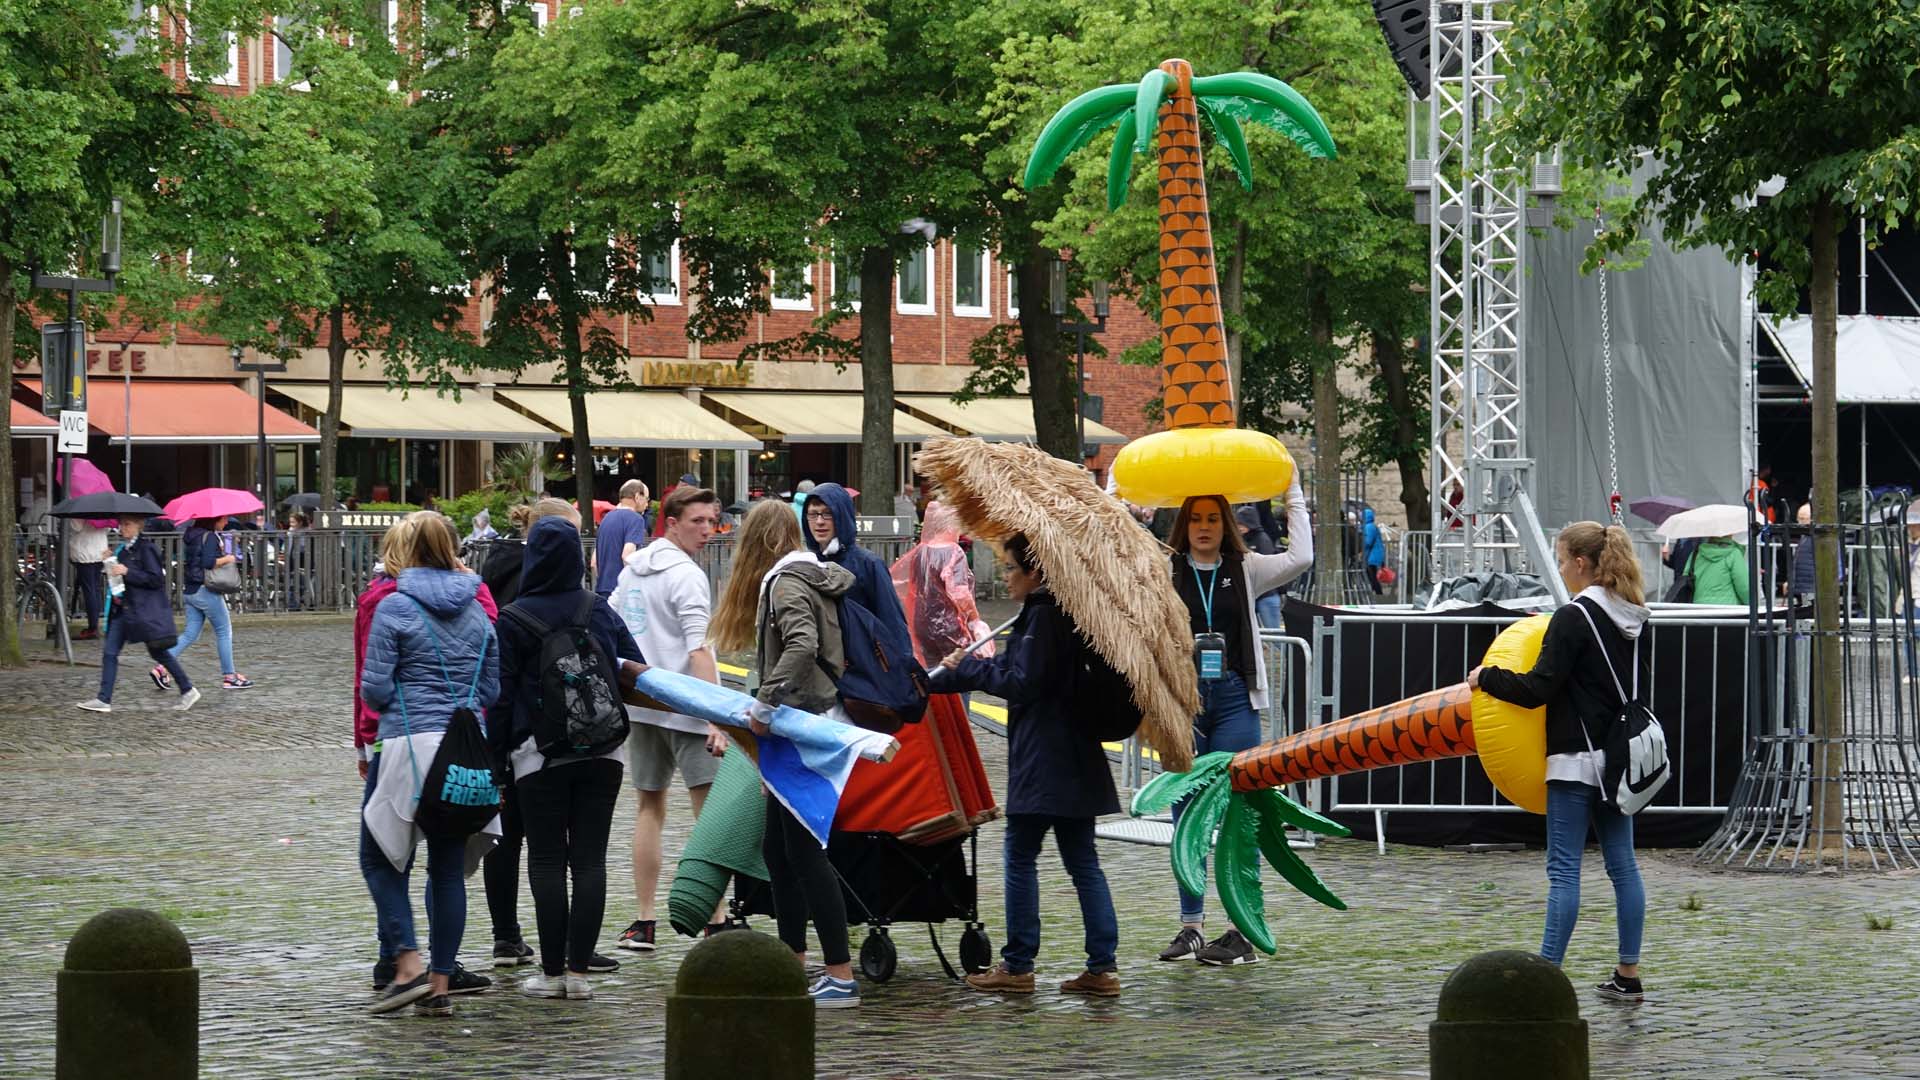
x,y
1606,366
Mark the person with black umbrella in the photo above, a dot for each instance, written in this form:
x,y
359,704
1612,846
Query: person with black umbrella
x,y
139,612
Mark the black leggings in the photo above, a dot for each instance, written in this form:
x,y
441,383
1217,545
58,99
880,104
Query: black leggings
x,y
568,812
501,871
803,884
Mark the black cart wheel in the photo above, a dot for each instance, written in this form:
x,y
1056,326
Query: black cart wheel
x,y
878,957
976,949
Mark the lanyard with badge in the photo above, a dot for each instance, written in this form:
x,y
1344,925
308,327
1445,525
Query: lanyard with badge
x,y
1210,648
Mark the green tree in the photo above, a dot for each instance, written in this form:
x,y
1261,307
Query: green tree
x,y
1726,95
92,112
793,127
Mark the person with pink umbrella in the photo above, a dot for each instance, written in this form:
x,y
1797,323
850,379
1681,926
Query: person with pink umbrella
x,y
203,550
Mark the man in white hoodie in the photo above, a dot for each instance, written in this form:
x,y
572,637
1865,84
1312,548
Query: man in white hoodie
x,y
663,595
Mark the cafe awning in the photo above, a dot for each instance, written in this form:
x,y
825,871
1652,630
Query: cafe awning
x,y
184,413
992,419
375,412
658,419
810,417
29,424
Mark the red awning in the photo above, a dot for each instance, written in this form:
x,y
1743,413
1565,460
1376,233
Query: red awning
x,y
184,412
28,422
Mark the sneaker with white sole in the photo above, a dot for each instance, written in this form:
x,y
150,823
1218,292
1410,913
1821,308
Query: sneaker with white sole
x,y
161,680
463,981
638,937
235,682
1620,988
832,993
186,700
1227,950
399,995
541,985
577,987
602,965
95,705
1185,945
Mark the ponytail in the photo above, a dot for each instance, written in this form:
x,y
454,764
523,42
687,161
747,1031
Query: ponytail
x,y
1610,550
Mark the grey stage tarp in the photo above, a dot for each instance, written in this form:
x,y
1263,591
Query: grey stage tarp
x,y
1678,378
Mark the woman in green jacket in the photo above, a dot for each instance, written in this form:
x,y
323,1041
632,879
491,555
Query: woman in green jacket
x,y
1719,569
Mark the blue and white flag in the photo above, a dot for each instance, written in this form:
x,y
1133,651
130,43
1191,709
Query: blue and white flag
x,y
805,762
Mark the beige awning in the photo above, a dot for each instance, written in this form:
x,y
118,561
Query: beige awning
x,y
992,419
810,417
375,412
661,419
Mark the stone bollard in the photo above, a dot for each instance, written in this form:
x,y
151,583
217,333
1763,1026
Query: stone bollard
x,y
740,1010
127,1001
1507,1015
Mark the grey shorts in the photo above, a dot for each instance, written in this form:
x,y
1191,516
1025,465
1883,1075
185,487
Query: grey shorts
x,y
654,752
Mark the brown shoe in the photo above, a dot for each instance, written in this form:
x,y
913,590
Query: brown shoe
x,y
1002,981
1093,984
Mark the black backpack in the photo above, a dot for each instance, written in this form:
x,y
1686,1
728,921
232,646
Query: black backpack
x,y
1101,697
458,796
580,713
883,688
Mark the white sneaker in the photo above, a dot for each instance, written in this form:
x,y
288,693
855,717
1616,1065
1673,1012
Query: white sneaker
x,y
187,699
95,705
578,989
540,986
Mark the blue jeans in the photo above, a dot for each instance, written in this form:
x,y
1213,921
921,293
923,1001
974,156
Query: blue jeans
x,y
446,893
1266,611
110,660
208,607
1570,806
1074,838
1226,722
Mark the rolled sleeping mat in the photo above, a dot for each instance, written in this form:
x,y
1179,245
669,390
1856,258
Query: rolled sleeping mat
x,y
724,842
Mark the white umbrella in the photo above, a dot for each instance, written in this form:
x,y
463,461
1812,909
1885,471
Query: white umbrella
x,y
1705,522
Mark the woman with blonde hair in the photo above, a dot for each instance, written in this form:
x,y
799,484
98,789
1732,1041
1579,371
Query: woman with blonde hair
x,y
1591,651
783,600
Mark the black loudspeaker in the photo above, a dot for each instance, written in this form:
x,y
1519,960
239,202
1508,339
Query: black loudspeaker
x,y
1404,24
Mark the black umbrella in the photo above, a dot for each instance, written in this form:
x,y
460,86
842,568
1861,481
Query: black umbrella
x,y
306,500
104,504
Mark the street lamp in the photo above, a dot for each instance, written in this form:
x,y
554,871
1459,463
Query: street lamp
x,y
259,368
1057,293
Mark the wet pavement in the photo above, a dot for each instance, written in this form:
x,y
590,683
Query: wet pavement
x,y
238,821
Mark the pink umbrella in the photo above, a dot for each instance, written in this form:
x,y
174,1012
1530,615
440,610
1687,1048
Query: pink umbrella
x,y
87,480
213,503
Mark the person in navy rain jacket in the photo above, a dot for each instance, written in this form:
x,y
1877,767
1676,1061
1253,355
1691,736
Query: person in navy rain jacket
x,y
142,613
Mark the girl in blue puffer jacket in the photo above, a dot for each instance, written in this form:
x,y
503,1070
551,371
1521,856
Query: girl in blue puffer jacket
x,y
429,643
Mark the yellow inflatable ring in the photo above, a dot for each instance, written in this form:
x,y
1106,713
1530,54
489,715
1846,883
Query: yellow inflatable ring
x,y
1165,468
1513,740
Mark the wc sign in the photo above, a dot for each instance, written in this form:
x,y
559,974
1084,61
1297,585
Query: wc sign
x,y
73,431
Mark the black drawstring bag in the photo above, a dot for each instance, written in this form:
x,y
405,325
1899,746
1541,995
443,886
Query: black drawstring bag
x,y
458,796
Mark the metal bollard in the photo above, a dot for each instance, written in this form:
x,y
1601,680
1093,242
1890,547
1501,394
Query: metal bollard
x,y
127,1001
739,1009
1507,1015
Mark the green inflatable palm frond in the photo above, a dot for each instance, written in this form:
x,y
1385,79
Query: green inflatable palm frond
x,y
1074,126
1264,99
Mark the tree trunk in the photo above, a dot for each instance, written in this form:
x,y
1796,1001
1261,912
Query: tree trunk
x,y
1390,354
573,352
1330,562
1233,291
1050,371
1828,675
330,420
10,656
877,484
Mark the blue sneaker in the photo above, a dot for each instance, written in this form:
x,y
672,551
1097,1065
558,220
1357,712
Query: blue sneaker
x,y
832,993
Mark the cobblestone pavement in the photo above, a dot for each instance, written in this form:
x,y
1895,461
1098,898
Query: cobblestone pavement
x,y
238,821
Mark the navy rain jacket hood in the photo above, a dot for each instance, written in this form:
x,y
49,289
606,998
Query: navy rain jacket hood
x,y
872,580
553,577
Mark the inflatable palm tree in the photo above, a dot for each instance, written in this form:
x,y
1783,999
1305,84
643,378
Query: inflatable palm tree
x,y
1202,452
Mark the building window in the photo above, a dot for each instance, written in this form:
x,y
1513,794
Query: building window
x,y
844,285
127,38
662,268
209,40
792,288
287,32
913,282
1013,293
970,279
